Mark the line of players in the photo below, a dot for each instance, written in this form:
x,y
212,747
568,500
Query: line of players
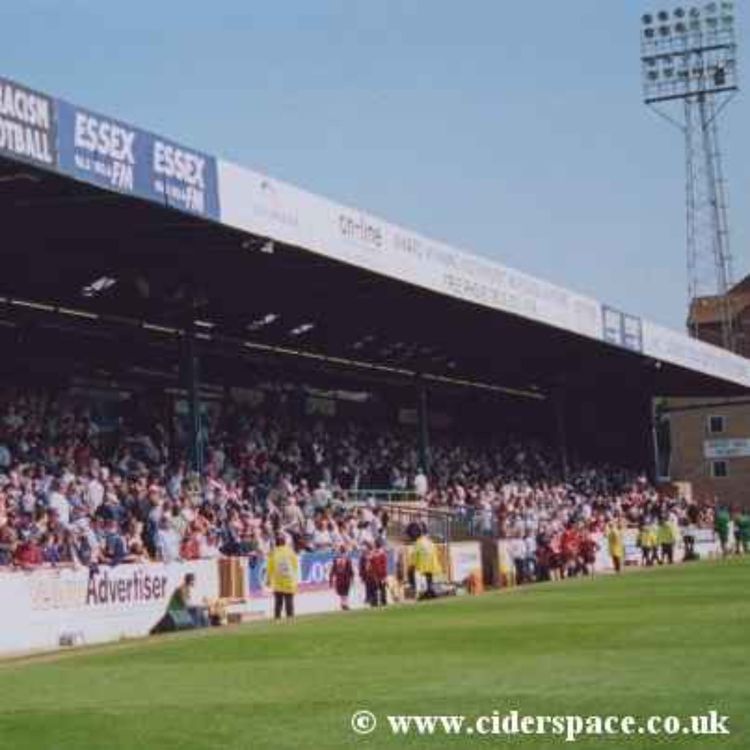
x,y
572,552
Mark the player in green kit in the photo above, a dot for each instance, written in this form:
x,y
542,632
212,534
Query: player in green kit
x,y
721,527
741,532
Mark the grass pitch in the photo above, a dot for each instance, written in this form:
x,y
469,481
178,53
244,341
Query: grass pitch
x,y
666,641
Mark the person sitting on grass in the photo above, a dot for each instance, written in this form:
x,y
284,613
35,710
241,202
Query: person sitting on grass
x,y
181,601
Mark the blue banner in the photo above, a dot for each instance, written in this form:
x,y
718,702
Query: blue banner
x,y
109,153
315,571
28,125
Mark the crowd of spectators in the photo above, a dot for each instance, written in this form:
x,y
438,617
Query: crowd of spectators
x,y
73,492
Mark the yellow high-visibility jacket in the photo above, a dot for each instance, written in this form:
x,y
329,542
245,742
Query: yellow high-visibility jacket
x,y
425,557
283,570
615,541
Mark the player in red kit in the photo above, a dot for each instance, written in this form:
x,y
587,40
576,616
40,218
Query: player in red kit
x,y
342,574
379,573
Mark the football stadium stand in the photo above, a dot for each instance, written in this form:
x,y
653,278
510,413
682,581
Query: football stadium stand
x,y
198,356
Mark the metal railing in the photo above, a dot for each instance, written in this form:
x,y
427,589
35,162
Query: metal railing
x,y
382,496
405,507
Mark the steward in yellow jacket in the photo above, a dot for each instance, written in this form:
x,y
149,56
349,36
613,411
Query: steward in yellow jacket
x,y
616,545
667,538
283,576
425,561
647,541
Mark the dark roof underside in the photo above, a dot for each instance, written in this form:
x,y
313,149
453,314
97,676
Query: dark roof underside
x,y
60,235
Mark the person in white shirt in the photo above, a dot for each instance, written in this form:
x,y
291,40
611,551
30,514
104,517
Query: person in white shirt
x,y
529,543
167,542
321,538
517,551
208,547
94,494
420,484
59,503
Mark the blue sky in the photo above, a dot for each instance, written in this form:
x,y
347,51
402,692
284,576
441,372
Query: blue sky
x,y
512,129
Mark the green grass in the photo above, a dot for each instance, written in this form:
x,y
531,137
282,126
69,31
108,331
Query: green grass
x,y
667,641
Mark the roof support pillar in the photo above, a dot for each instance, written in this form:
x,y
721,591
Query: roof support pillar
x,y
191,376
423,426
559,403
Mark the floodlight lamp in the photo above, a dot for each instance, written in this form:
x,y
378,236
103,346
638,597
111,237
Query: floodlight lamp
x,y
649,33
679,13
711,8
680,28
647,19
653,75
712,22
695,25
664,30
663,15
694,13
727,20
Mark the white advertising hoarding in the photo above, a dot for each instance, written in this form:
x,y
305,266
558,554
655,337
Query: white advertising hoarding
x,y
270,208
663,344
465,559
46,607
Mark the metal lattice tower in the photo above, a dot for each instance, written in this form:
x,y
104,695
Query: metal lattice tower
x,y
689,64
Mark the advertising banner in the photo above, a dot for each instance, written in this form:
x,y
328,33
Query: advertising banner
x,y
109,153
270,208
47,608
465,560
28,128
679,349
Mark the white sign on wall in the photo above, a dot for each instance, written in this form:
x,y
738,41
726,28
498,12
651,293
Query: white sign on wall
x,y
726,448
